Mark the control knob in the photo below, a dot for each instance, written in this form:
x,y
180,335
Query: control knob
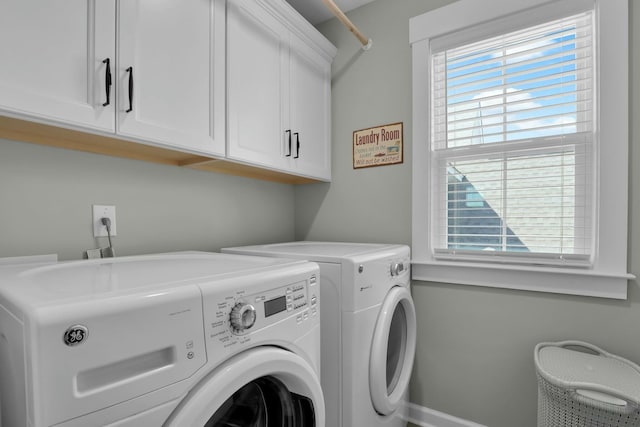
x,y
397,268
243,317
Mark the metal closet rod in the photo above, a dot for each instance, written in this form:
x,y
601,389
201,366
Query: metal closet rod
x,y
366,42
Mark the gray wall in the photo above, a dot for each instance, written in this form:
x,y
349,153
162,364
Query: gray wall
x,y
46,196
475,345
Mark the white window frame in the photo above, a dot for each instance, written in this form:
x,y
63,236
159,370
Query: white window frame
x,y
607,276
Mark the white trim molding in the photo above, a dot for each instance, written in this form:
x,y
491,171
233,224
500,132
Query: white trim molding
x,y
425,417
607,274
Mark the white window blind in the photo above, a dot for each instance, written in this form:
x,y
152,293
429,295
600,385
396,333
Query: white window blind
x,y
513,146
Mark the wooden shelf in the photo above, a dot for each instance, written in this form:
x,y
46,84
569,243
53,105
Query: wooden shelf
x,y
239,169
43,134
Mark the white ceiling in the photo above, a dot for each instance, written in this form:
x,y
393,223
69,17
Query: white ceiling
x,y
316,12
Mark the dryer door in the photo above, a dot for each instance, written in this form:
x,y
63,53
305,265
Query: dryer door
x,y
392,351
262,387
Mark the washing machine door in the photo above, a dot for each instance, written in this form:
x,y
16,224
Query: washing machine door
x,y
392,351
262,387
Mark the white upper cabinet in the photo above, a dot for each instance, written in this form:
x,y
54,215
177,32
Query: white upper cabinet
x,y
167,82
51,60
310,110
278,88
256,48
171,73
244,80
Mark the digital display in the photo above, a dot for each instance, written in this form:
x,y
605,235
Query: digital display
x,y
275,306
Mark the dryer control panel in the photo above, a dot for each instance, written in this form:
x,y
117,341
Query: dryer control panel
x,y
399,267
373,276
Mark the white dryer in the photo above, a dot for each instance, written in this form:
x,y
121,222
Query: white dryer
x,y
368,328
174,340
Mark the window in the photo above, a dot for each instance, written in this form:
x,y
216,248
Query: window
x,y
516,139
512,129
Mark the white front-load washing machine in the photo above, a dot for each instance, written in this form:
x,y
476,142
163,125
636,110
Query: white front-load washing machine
x,y
174,340
368,328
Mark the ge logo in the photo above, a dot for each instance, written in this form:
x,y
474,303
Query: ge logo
x,y
75,335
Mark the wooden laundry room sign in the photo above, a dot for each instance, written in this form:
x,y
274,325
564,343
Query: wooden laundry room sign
x,y
378,146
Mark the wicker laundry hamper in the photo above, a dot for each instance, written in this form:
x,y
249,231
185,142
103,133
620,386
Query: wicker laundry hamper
x,y
581,385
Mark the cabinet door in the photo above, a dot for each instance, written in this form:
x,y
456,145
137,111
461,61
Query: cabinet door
x,y
171,73
310,99
256,82
51,60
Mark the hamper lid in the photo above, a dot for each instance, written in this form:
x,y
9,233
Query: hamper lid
x,y
577,367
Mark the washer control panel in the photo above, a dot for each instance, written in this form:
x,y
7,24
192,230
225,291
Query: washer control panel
x,y
237,316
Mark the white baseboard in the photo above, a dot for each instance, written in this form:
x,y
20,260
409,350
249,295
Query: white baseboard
x,y
425,417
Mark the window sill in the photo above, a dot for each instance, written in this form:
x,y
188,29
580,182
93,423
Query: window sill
x,y
585,282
